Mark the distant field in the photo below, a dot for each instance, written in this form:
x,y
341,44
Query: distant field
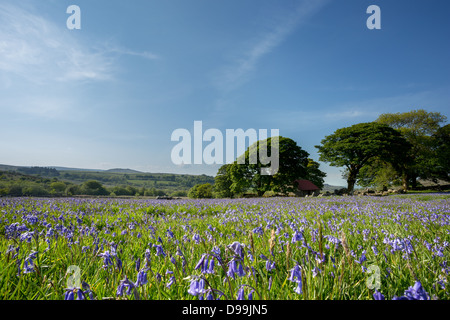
x,y
277,248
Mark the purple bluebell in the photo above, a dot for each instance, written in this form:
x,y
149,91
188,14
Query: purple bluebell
x,y
159,250
270,265
197,287
200,262
378,295
171,282
417,292
138,264
141,278
237,249
232,269
297,236
240,294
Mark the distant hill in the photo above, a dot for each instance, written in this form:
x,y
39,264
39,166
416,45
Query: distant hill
x,y
167,183
118,170
330,188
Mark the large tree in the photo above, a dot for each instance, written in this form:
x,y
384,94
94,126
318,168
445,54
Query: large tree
x,y
292,164
358,145
418,128
223,182
441,146
314,174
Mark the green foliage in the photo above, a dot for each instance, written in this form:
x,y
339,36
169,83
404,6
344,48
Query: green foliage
x,y
223,182
441,145
93,187
356,146
201,191
314,174
419,128
293,161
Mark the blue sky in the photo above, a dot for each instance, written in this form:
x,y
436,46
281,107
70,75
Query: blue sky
x,y
110,94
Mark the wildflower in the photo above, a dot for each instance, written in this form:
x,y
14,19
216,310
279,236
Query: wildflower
x,y
138,264
374,249
211,266
240,295
171,282
197,287
316,271
200,262
141,278
159,250
270,266
378,295
107,259
196,238
295,273
296,237
237,248
417,292
69,295
240,271
363,258
231,269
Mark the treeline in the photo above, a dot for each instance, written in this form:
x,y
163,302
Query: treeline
x,y
153,180
42,171
16,184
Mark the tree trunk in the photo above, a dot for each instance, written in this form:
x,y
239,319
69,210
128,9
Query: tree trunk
x,y
351,180
414,182
405,182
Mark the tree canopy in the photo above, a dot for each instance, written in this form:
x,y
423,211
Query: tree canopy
x,y
243,175
355,146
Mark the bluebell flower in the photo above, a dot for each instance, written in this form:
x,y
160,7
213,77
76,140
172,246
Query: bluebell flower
x,y
159,250
107,259
363,258
240,294
171,282
297,236
240,270
270,266
211,266
378,295
237,249
196,238
69,295
138,264
200,262
231,269
141,278
295,273
197,287
417,292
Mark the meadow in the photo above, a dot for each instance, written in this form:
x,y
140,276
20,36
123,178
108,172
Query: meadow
x,y
345,248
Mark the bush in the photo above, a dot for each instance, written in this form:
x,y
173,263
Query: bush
x,y
201,191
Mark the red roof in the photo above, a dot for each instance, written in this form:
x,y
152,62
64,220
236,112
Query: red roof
x,y
306,185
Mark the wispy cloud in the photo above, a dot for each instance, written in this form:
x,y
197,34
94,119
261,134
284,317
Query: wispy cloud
x,y
237,73
42,52
35,49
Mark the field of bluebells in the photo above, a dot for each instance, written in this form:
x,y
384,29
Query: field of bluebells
x,y
359,248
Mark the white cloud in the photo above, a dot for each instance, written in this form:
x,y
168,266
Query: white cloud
x,y
43,52
37,50
237,73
